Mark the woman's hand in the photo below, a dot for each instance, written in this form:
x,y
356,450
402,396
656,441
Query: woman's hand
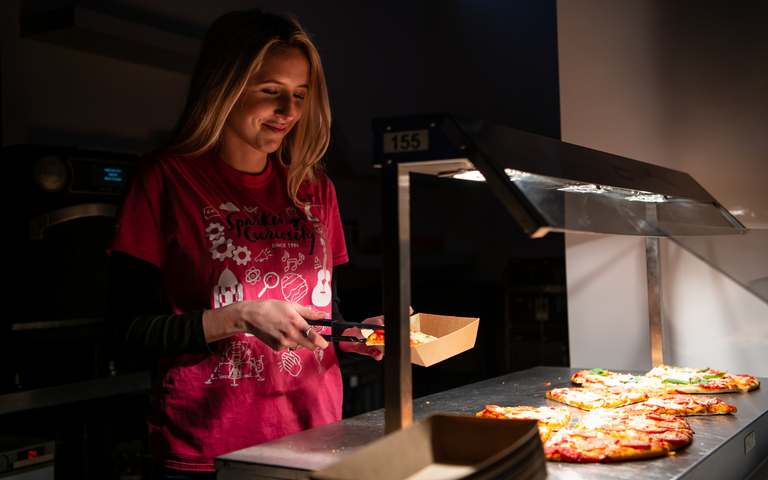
x,y
360,347
278,324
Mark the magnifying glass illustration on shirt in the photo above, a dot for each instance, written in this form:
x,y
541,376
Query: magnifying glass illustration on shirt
x,y
267,280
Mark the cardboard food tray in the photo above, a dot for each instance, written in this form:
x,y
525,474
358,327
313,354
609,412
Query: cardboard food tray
x,y
448,447
454,335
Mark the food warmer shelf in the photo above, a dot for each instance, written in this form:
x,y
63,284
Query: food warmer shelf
x,y
724,446
546,185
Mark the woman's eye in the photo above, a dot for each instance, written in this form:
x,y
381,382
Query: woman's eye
x,y
300,96
269,92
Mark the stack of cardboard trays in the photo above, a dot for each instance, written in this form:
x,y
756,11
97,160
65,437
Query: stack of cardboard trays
x,y
448,447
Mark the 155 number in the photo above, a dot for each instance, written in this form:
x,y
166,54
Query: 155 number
x,y
412,141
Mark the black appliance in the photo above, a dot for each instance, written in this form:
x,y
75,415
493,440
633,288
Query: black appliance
x,y
26,458
70,199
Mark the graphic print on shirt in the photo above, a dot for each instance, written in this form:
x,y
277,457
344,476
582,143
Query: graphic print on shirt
x,y
290,362
228,291
209,212
246,240
319,358
271,280
257,228
222,248
292,263
237,362
214,231
241,255
253,275
263,256
310,217
294,287
321,295
318,354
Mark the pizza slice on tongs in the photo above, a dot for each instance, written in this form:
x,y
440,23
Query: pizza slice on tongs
x,y
340,326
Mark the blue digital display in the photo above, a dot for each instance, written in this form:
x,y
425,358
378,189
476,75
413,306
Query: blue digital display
x,y
112,177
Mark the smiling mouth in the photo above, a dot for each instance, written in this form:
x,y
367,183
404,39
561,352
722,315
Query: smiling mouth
x,y
277,128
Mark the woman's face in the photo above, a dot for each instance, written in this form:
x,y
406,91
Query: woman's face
x,y
270,105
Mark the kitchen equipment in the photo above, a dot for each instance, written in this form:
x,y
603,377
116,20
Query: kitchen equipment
x,y
26,458
546,185
70,199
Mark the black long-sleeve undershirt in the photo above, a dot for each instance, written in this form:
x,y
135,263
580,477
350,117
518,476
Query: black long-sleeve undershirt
x,y
136,324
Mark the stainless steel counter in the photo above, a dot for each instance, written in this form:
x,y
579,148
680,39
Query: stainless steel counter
x,y
718,450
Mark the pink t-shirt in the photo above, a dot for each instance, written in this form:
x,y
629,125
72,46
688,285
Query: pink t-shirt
x,y
221,236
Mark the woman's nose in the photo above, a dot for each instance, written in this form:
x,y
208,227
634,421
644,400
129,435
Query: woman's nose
x,y
286,108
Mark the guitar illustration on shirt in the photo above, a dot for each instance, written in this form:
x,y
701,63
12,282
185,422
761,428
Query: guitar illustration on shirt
x,y
321,295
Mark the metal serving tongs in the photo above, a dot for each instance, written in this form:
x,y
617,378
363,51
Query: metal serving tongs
x,y
341,338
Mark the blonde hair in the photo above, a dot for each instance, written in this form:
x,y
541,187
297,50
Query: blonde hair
x,y
235,48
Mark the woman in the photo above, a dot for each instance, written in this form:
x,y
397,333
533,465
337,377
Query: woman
x,y
234,229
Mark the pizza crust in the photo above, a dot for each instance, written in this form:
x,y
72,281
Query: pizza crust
x,y
592,398
702,380
687,405
650,429
550,419
582,446
666,379
616,435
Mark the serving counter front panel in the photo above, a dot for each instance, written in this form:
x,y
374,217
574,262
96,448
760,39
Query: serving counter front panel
x,y
724,446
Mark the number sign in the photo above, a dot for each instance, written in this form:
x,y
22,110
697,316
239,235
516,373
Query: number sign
x,y
410,141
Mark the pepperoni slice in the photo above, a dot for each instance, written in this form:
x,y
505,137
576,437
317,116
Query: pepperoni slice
x,y
636,443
